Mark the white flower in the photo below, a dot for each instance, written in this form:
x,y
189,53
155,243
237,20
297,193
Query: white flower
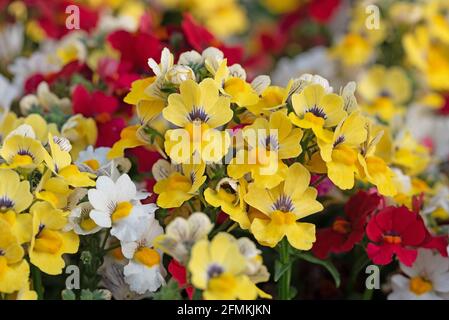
x,y
439,201
316,79
313,61
117,205
145,271
113,279
427,279
8,93
181,234
179,73
79,220
166,63
11,42
44,99
92,160
255,269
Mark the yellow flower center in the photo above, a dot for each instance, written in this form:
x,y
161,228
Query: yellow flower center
x,y
22,160
225,284
48,241
226,196
122,210
420,285
92,163
179,182
117,253
3,266
196,130
9,216
440,214
376,165
345,155
88,224
147,256
279,217
317,121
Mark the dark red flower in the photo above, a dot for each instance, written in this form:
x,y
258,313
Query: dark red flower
x,y
145,158
136,48
200,38
109,132
395,231
322,10
96,104
347,230
179,273
52,16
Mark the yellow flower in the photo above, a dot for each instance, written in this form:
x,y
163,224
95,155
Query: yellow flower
x,y
49,241
315,109
54,190
218,268
282,206
271,97
128,139
60,162
269,141
436,16
14,270
341,153
177,186
81,132
430,58
223,18
384,91
410,155
21,149
198,110
353,50
279,7
373,168
15,197
148,107
228,195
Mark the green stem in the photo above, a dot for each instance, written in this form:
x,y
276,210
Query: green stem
x,y
37,282
284,281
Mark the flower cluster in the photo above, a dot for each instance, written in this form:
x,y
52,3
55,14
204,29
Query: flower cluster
x,y
147,153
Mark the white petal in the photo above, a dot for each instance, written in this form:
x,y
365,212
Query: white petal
x,y
101,218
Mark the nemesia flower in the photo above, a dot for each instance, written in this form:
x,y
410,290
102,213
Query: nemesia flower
x,y
117,204
203,110
175,186
49,242
395,231
181,234
282,206
427,279
14,270
218,268
269,141
144,272
315,109
348,230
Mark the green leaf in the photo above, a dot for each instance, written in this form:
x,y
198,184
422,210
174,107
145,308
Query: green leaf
x,y
325,263
68,294
170,291
280,269
99,294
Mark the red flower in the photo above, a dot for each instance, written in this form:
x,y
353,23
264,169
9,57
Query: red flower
x,y
322,10
200,38
395,231
136,48
179,273
109,132
52,16
347,230
96,104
